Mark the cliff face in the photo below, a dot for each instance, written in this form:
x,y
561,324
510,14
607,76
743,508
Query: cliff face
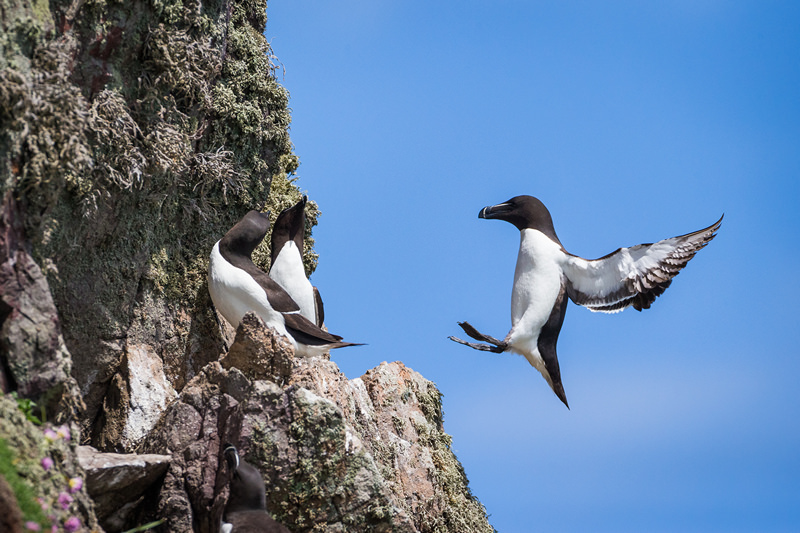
x,y
132,136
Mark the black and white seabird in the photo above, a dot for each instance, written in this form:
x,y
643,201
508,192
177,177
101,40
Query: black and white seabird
x,y
246,510
237,286
286,265
546,274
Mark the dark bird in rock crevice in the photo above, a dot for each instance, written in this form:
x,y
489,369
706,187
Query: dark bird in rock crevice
x,y
246,510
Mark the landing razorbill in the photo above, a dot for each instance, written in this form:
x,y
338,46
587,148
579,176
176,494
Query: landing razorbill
x,y
546,274
246,510
237,286
286,265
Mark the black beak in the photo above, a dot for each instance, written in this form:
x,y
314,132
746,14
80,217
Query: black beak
x,y
494,211
231,457
299,206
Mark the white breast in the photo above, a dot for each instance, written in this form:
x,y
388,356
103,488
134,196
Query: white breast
x,y
537,282
289,273
234,293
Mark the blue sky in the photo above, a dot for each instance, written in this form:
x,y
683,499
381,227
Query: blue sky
x,y
632,122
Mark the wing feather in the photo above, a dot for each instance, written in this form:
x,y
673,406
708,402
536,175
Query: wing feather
x,y
633,276
318,308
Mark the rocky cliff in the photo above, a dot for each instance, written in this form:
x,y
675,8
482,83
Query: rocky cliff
x,y
132,136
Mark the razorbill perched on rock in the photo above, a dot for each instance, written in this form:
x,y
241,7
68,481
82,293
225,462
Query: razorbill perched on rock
x,y
237,286
286,265
546,274
246,510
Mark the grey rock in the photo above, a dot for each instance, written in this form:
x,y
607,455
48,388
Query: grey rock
x,y
117,482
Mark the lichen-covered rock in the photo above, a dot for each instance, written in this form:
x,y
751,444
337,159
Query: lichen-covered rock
x,y
396,414
319,478
337,455
410,442
41,465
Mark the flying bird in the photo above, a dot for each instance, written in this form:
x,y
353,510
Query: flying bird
x,y
546,274
237,286
286,265
246,510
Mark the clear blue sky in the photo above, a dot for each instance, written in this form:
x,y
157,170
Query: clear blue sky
x,y
633,122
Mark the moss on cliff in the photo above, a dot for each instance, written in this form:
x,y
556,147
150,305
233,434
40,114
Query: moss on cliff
x,y
22,490
167,129
134,135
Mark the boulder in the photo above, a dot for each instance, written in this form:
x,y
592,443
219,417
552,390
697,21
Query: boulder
x,y
117,482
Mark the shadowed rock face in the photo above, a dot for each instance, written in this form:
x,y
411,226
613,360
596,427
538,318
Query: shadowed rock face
x,y
34,361
368,454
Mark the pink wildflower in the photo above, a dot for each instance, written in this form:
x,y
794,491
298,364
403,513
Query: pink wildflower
x,y
63,432
72,524
50,435
47,463
64,500
32,526
75,484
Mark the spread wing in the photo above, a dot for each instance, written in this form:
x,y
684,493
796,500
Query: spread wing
x,y
633,276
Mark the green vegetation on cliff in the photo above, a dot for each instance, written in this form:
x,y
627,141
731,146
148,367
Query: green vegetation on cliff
x,y
133,136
